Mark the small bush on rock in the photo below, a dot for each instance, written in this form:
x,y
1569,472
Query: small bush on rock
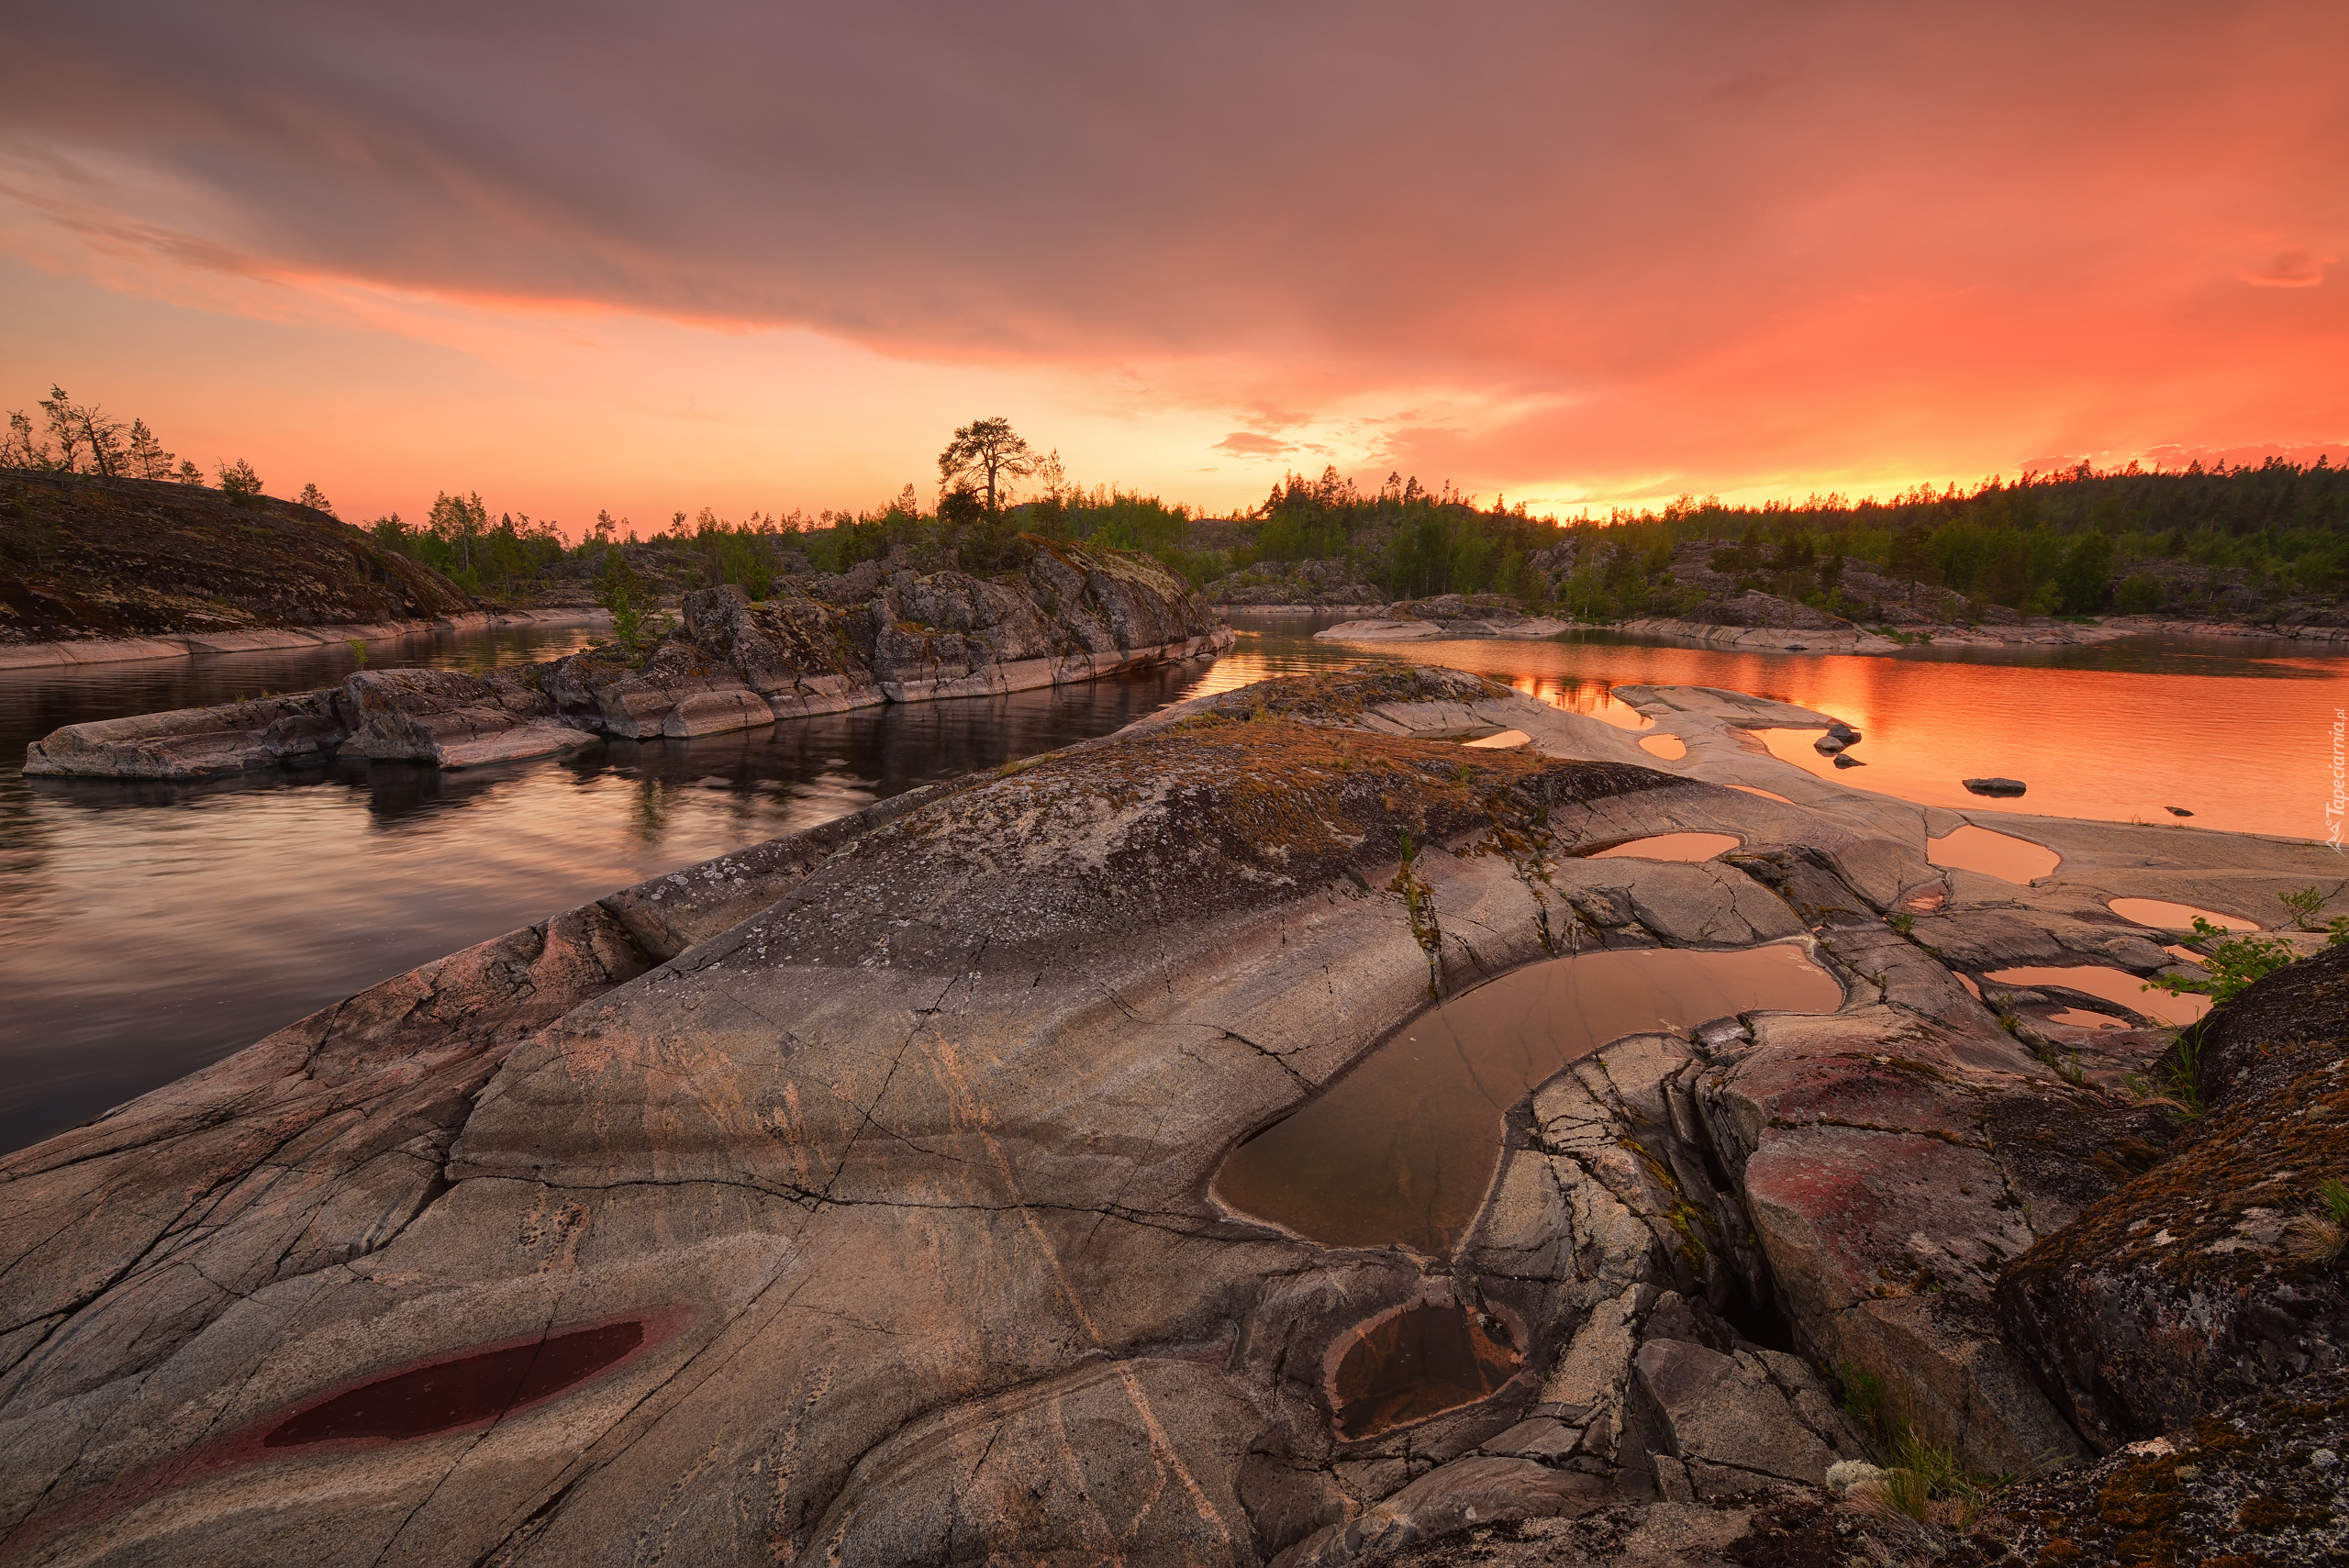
x,y
2235,963
2302,907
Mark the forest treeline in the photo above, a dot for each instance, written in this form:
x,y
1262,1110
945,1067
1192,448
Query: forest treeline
x,y
2078,540
2072,541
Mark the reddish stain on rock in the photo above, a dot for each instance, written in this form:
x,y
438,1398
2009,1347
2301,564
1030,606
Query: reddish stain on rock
x,y
461,1392
447,1393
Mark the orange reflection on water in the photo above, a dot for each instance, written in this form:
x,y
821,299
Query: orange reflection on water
x,y
2002,855
2109,985
2162,915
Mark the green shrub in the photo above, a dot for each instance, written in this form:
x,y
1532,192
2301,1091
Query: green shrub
x,y
2236,964
2140,595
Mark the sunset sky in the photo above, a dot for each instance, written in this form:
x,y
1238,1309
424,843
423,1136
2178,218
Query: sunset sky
x,y
764,256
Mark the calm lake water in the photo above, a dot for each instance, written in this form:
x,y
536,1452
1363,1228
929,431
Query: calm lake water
x,y
147,930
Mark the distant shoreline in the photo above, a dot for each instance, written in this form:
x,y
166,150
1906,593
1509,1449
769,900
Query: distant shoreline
x,y
1862,639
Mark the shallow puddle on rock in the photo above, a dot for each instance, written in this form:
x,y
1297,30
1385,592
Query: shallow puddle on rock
x,y
1671,847
1418,1362
2110,985
2081,1019
2002,855
1506,741
461,1392
1403,1148
1671,747
2164,915
1765,794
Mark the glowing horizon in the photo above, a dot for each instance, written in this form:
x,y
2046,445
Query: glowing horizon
x,y
1581,259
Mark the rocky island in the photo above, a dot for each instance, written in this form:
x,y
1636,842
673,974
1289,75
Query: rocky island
x,y
876,1194
95,570
879,633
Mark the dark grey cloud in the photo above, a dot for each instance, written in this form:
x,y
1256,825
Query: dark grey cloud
x,y
1527,200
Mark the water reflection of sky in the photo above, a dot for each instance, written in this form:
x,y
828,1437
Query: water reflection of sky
x,y
148,929
2238,732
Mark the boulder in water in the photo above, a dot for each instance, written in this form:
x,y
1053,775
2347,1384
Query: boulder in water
x,y
1995,786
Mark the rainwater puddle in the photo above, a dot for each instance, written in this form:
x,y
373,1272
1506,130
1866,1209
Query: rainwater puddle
x,y
1671,747
2164,915
1403,1148
2110,985
1418,1362
2002,855
1766,794
1671,847
2081,1019
1506,741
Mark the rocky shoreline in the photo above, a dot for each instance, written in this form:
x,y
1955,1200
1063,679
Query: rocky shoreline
x,y
1815,634
1447,616
1846,639
849,1200
1078,614
187,645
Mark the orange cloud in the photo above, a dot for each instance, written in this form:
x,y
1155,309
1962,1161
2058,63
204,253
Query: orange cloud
x,y
1577,250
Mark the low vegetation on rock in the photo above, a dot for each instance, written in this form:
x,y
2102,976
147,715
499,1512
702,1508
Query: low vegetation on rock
x,y
85,556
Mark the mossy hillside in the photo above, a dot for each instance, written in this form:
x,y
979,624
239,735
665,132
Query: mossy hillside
x,y
87,557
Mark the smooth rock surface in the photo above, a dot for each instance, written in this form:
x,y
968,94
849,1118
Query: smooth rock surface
x,y
882,1154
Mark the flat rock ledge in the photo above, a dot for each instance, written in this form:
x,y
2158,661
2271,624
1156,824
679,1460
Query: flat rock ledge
x,y
1450,615
1078,614
846,1200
